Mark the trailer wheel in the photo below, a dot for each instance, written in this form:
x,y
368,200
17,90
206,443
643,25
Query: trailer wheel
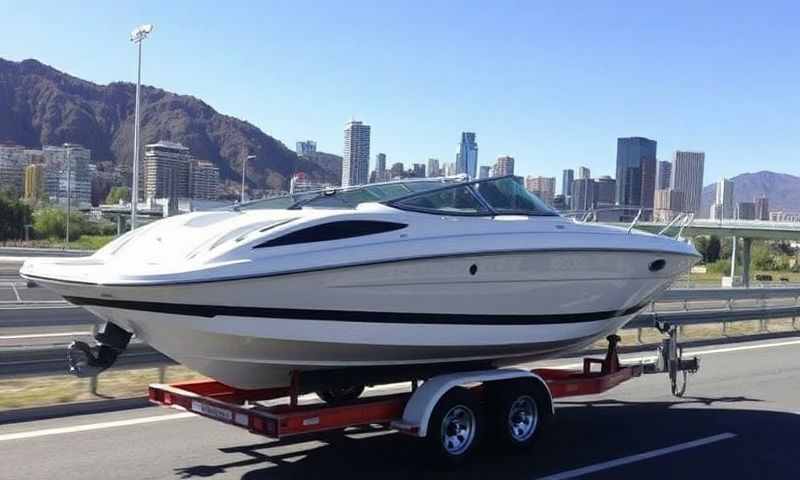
x,y
519,411
455,426
339,395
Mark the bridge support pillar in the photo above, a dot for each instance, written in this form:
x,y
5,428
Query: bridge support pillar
x,y
746,244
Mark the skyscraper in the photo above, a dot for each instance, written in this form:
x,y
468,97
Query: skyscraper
x,y
584,172
762,208
723,207
636,171
667,204
485,171
746,211
419,170
664,175
504,166
12,168
380,168
433,167
542,187
687,177
75,178
203,180
605,190
306,147
467,156
355,162
567,176
583,191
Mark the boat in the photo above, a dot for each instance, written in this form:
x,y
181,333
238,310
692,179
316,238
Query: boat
x,y
436,272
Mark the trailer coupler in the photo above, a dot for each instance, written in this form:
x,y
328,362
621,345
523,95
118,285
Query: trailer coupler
x,y
670,360
88,361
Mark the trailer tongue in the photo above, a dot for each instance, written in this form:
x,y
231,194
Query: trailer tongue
x,y
452,410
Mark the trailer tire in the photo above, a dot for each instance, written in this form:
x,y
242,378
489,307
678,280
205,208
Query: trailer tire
x,y
519,411
340,395
455,427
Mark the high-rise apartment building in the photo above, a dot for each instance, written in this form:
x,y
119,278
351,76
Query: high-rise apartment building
x,y
542,187
12,168
467,155
34,182
485,172
418,170
397,170
306,147
584,172
504,166
687,177
355,162
746,211
68,168
664,175
433,168
636,172
167,170
204,181
762,208
567,176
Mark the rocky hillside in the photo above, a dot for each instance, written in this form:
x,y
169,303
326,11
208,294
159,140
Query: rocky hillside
x,y
782,190
40,105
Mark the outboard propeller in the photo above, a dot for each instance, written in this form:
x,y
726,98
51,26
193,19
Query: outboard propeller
x,y
88,361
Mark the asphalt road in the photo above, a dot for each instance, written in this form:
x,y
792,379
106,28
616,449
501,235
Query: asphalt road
x,y
740,420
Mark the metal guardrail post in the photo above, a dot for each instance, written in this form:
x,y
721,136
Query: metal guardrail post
x,y
764,321
162,374
725,320
93,385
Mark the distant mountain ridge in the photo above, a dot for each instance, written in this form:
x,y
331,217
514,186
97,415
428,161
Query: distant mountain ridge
x,y
40,105
782,190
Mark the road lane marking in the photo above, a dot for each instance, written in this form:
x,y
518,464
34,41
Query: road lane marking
x,y
93,426
16,293
638,457
43,335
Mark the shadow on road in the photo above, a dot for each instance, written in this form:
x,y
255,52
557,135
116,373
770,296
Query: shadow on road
x,y
583,434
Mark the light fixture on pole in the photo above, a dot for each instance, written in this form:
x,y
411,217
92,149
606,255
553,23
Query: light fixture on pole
x,y
244,174
137,37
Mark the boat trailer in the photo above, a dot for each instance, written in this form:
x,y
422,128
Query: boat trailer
x,y
519,401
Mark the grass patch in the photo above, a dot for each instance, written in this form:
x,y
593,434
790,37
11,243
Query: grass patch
x,y
57,389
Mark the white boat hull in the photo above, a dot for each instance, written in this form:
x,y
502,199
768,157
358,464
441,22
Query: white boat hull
x,y
511,307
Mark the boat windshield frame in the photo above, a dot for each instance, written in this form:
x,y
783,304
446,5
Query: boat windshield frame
x,y
489,210
301,199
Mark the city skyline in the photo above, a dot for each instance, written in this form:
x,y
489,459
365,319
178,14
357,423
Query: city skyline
x,y
541,111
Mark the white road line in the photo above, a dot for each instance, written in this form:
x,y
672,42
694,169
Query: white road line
x,y
43,335
16,293
637,458
93,426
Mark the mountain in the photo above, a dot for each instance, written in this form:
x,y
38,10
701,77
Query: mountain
x,y
782,190
40,105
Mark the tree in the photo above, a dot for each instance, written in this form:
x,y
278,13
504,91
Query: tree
x,y
52,223
118,193
713,249
14,215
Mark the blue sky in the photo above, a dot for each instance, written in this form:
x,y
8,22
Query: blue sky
x,y
551,83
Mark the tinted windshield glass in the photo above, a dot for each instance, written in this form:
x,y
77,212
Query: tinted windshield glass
x,y
504,195
459,200
507,195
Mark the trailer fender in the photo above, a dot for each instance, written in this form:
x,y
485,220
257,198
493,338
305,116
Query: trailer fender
x,y
418,410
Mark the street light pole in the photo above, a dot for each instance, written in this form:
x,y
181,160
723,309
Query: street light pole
x,y
244,174
69,194
137,37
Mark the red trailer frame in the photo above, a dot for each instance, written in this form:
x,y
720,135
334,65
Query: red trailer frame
x,y
236,407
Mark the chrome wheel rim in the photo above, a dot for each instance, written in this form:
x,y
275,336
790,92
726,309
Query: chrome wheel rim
x,y
523,418
458,430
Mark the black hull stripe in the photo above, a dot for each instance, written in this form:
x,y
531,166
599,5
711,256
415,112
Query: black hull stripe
x,y
352,315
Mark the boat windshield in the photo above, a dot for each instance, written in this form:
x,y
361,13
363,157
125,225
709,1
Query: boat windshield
x,y
489,197
349,198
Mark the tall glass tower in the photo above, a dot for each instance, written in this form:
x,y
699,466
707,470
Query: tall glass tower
x,y
636,171
467,156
